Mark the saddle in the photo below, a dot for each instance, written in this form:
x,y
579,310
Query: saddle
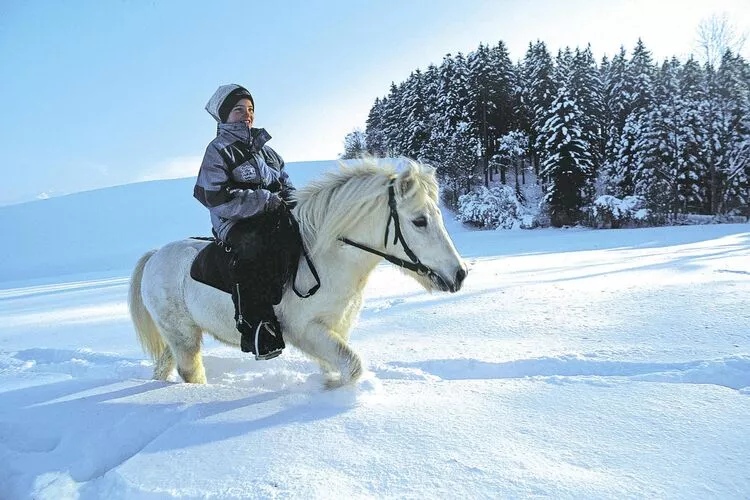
x,y
254,274
260,330
212,267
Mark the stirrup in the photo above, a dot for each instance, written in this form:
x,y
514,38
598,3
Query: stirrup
x,y
270,354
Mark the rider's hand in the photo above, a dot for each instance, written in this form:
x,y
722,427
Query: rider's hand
x,y
274,202
288,196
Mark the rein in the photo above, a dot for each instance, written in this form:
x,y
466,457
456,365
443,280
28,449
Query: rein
x,y
309,261
398,237
415,265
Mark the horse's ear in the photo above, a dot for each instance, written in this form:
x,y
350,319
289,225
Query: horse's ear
x,y
404,182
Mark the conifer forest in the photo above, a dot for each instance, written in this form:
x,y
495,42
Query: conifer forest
x,y
674,135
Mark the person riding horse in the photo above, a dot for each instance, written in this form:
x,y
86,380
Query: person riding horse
x,y
243,184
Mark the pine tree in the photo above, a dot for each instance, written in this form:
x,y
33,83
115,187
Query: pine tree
x,y
415,125
503,88
430,85
640,71
567,163
616,104
392,119
490,99
374,131
622,173
637,104
731,134
452,146
481,103
563,69
693,121
538,92
586,84
663,166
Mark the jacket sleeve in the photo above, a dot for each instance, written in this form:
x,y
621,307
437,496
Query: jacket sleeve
x,y
286,183
213,190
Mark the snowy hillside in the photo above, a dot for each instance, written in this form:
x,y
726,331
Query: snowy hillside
x,y
107,230
573,364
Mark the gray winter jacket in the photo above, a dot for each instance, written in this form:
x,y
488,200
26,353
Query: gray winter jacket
x,y
238,174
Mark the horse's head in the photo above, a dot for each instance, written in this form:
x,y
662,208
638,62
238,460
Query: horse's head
x,y
393,215
423,239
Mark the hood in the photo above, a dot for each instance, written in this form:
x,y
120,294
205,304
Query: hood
x,y
213,104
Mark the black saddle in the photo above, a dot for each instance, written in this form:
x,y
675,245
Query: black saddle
x,y
212,267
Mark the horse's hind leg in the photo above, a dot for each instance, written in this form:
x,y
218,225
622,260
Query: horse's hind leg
x,y
332,353
164,365
186,351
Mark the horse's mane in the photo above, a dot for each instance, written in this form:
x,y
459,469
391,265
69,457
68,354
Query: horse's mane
x,y
331,206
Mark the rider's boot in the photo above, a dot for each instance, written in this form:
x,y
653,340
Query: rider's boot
x,y
261,332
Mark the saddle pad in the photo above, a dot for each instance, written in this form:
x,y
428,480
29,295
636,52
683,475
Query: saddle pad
x,y
211,267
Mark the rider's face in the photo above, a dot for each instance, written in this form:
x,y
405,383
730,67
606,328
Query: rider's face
x,y
243,111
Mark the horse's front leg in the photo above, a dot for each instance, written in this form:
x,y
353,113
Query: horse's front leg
x,y
340,364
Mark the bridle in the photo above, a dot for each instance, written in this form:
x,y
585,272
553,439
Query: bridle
x,y
415,265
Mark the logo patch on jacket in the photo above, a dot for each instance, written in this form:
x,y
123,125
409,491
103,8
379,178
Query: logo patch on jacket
x,y
245,173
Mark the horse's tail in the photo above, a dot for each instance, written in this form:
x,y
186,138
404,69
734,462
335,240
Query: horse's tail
x,y
148,333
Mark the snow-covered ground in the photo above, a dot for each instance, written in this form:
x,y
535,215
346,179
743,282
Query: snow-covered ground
x,y
573,364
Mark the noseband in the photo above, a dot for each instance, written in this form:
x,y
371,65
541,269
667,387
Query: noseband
x,y
415,265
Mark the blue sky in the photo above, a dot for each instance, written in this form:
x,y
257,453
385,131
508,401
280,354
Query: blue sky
x,y
100,93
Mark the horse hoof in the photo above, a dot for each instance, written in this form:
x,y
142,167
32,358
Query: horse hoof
x,y
332,382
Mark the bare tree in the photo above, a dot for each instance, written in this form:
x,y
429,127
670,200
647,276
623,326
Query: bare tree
x,y
715,36
354,145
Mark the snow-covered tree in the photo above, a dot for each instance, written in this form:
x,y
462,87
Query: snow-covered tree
x,y
415,126
481,102
616,104
511,151
678,135
730,134
538,92
355,145
586,85
503,79
374,131
393,118
637,103
668,170
567,163
453,143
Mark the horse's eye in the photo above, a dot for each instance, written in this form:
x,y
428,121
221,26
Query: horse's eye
x,y
420,222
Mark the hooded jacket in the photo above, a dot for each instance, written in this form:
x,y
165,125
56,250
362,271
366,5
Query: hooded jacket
x,y
239,171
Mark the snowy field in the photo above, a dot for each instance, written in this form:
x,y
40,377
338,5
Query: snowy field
x,y
573,364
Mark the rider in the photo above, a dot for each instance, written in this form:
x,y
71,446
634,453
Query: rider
x,y
243,184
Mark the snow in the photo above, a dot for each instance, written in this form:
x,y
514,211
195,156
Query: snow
x,y
574,364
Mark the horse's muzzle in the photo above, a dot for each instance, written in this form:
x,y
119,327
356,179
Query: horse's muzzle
x,y
460,276
450,285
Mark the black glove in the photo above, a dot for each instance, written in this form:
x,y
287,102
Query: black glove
x,y
274,203
289,197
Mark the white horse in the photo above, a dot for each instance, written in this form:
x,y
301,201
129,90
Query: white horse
x,y
343,219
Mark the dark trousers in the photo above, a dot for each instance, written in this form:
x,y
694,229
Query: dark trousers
x,y
265,252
